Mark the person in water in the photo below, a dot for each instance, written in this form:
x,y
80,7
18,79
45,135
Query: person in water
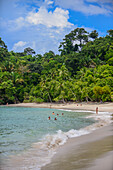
x,y
62,113
49,117
55,118
53,113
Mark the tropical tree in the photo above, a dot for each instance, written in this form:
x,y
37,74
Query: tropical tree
x,y
110,32
29,51
3,51
93,34
73,40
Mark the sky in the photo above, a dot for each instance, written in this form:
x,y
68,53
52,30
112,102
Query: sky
x,y
42,24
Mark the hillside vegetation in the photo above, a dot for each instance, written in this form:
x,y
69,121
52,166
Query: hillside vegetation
x,y
82,72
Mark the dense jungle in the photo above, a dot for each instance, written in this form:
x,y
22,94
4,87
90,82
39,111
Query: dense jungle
x,y
82,71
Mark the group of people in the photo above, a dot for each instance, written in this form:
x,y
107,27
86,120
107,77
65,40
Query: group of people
x,y
55,117
80,105
63,114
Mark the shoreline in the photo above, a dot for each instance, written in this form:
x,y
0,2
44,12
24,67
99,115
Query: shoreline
x,y
92,151
101,135
104,107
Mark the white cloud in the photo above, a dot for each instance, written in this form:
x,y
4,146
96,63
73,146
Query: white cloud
x,y
57,18
107,4
101,1
86,8
94,10
19,46
18,23
49,2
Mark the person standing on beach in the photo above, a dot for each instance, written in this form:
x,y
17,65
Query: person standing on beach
x,y
97,110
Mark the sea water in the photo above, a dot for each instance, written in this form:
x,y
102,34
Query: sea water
x,y
28,139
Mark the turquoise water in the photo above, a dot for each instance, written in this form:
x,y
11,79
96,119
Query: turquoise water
x,y
20,127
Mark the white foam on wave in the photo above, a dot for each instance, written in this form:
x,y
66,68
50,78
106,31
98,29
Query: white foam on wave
x,y
49,144
53,141
66,110
77,110
103,118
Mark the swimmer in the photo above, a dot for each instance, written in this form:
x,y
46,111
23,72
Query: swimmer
x,y
53,113
62,113
55,118
49,118
57,114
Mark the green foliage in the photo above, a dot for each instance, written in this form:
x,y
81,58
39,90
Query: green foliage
x,y
102,93
29,51
93,34
3,51
83,71
110,32
69,44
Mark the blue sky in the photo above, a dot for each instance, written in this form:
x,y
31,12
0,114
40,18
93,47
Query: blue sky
x,y
42,24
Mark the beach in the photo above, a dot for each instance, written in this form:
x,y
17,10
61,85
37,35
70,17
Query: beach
x,y
92,151
90,106
86,152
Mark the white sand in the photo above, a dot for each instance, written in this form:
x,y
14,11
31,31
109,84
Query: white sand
x,y
93,151
105,107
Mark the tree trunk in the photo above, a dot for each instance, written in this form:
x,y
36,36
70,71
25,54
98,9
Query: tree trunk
x,y
49,97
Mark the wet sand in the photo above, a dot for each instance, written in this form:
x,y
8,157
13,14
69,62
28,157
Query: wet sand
x,y
93,151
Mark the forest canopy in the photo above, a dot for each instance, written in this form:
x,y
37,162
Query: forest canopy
x,y
83,71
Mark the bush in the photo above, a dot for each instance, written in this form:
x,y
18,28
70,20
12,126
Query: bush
x,y
39,100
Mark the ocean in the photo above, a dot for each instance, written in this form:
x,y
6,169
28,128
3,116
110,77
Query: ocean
x,y
28,139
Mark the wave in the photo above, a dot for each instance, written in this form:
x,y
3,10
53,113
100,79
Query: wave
x,y
52,141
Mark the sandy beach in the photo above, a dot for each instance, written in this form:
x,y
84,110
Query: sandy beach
x,y
104,107
93,151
